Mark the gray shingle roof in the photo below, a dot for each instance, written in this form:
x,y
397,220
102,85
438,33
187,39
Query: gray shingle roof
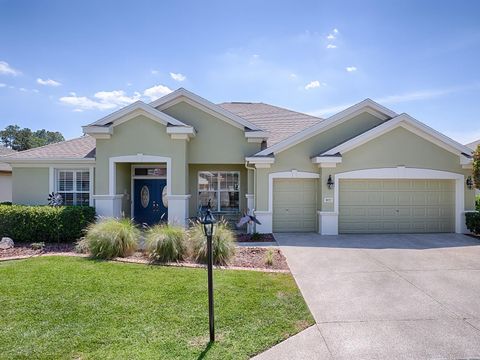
x,y
473,145
5,151
279,122
79,148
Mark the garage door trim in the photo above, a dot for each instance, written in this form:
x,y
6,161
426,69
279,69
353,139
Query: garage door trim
x,y
408,173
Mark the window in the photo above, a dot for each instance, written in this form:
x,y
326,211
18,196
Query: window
x,y
150,171
221,188
74,186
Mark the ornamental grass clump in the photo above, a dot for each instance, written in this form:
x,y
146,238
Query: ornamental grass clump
x,y
223,242
166,243
110,238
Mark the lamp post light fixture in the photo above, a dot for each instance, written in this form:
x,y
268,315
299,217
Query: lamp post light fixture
x,y
469,183
208,223
330,182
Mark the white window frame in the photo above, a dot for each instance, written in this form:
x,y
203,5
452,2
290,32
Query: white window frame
x,y
218,191
75,191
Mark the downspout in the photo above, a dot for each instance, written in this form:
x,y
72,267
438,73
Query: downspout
x,y
251,229
254,179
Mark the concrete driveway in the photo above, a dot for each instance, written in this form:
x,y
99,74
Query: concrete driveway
x,y
385,296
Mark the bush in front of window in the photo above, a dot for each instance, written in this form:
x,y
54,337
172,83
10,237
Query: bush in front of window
x,y
166,243
45,223
110,238
223,242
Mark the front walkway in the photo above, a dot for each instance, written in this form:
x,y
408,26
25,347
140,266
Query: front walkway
x,y
385,296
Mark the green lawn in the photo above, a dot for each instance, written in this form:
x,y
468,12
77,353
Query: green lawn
x,y
76,308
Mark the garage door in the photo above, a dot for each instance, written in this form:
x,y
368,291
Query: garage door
x,y
396,206
294,205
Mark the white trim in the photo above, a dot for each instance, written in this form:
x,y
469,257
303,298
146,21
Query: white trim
x,y
327,161
182,94
136,106
139,158
256,136
366,105
409,173
409,124
134,177
108,197
327,222
260,162
293,174
179,197
189,131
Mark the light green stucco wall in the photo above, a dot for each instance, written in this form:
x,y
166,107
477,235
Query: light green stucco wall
x,y
298,157
216,142
399,147
193,181
142,136
30,186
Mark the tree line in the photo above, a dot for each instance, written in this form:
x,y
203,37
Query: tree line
x,y
19,139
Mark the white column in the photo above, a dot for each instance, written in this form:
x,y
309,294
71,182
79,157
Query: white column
x,y
108,205
178,209
265,217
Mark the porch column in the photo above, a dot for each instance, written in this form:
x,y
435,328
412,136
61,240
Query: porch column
x,y
178,209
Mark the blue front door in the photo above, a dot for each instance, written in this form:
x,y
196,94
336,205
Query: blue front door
x,y
149,207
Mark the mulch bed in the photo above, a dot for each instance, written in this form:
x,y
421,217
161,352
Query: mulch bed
x,y
245,257
255,238
24,249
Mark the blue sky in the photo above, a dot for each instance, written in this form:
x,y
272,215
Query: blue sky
x,y
64,64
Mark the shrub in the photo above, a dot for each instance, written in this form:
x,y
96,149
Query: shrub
x,y
269,257
110,238
166,243
223,243
473,222
44,223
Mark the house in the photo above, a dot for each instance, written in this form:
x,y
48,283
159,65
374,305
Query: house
x,y
5,177
365,169
473,145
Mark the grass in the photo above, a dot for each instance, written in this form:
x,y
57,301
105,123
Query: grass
x,y
76,308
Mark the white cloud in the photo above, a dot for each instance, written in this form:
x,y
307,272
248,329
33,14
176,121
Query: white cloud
x,y
36,91
331,37
23,89
156,91
331,46
48,82
293,76
177,76
2,85
77,110
6,69
155,72
314,84
351,68
335,31
104,100
116,97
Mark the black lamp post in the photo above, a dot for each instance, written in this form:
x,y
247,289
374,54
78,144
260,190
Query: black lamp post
x,y
208,223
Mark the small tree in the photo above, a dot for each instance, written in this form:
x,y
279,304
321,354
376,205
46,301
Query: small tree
x,y
476,167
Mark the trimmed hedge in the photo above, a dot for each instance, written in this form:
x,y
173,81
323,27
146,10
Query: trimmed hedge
x,y
45,223
473,222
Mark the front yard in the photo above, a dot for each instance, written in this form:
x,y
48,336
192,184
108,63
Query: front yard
x,y
77,308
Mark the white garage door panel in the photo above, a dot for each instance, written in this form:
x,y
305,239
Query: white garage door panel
x,y
396,206
294,205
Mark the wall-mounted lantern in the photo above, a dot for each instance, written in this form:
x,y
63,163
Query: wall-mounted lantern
x,y
469,182
330,182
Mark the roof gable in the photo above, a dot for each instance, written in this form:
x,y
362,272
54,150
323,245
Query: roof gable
x,y
182,94
405,121
366,105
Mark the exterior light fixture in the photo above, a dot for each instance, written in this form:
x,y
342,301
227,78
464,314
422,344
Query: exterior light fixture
x,y
330,182
208,223
469,182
